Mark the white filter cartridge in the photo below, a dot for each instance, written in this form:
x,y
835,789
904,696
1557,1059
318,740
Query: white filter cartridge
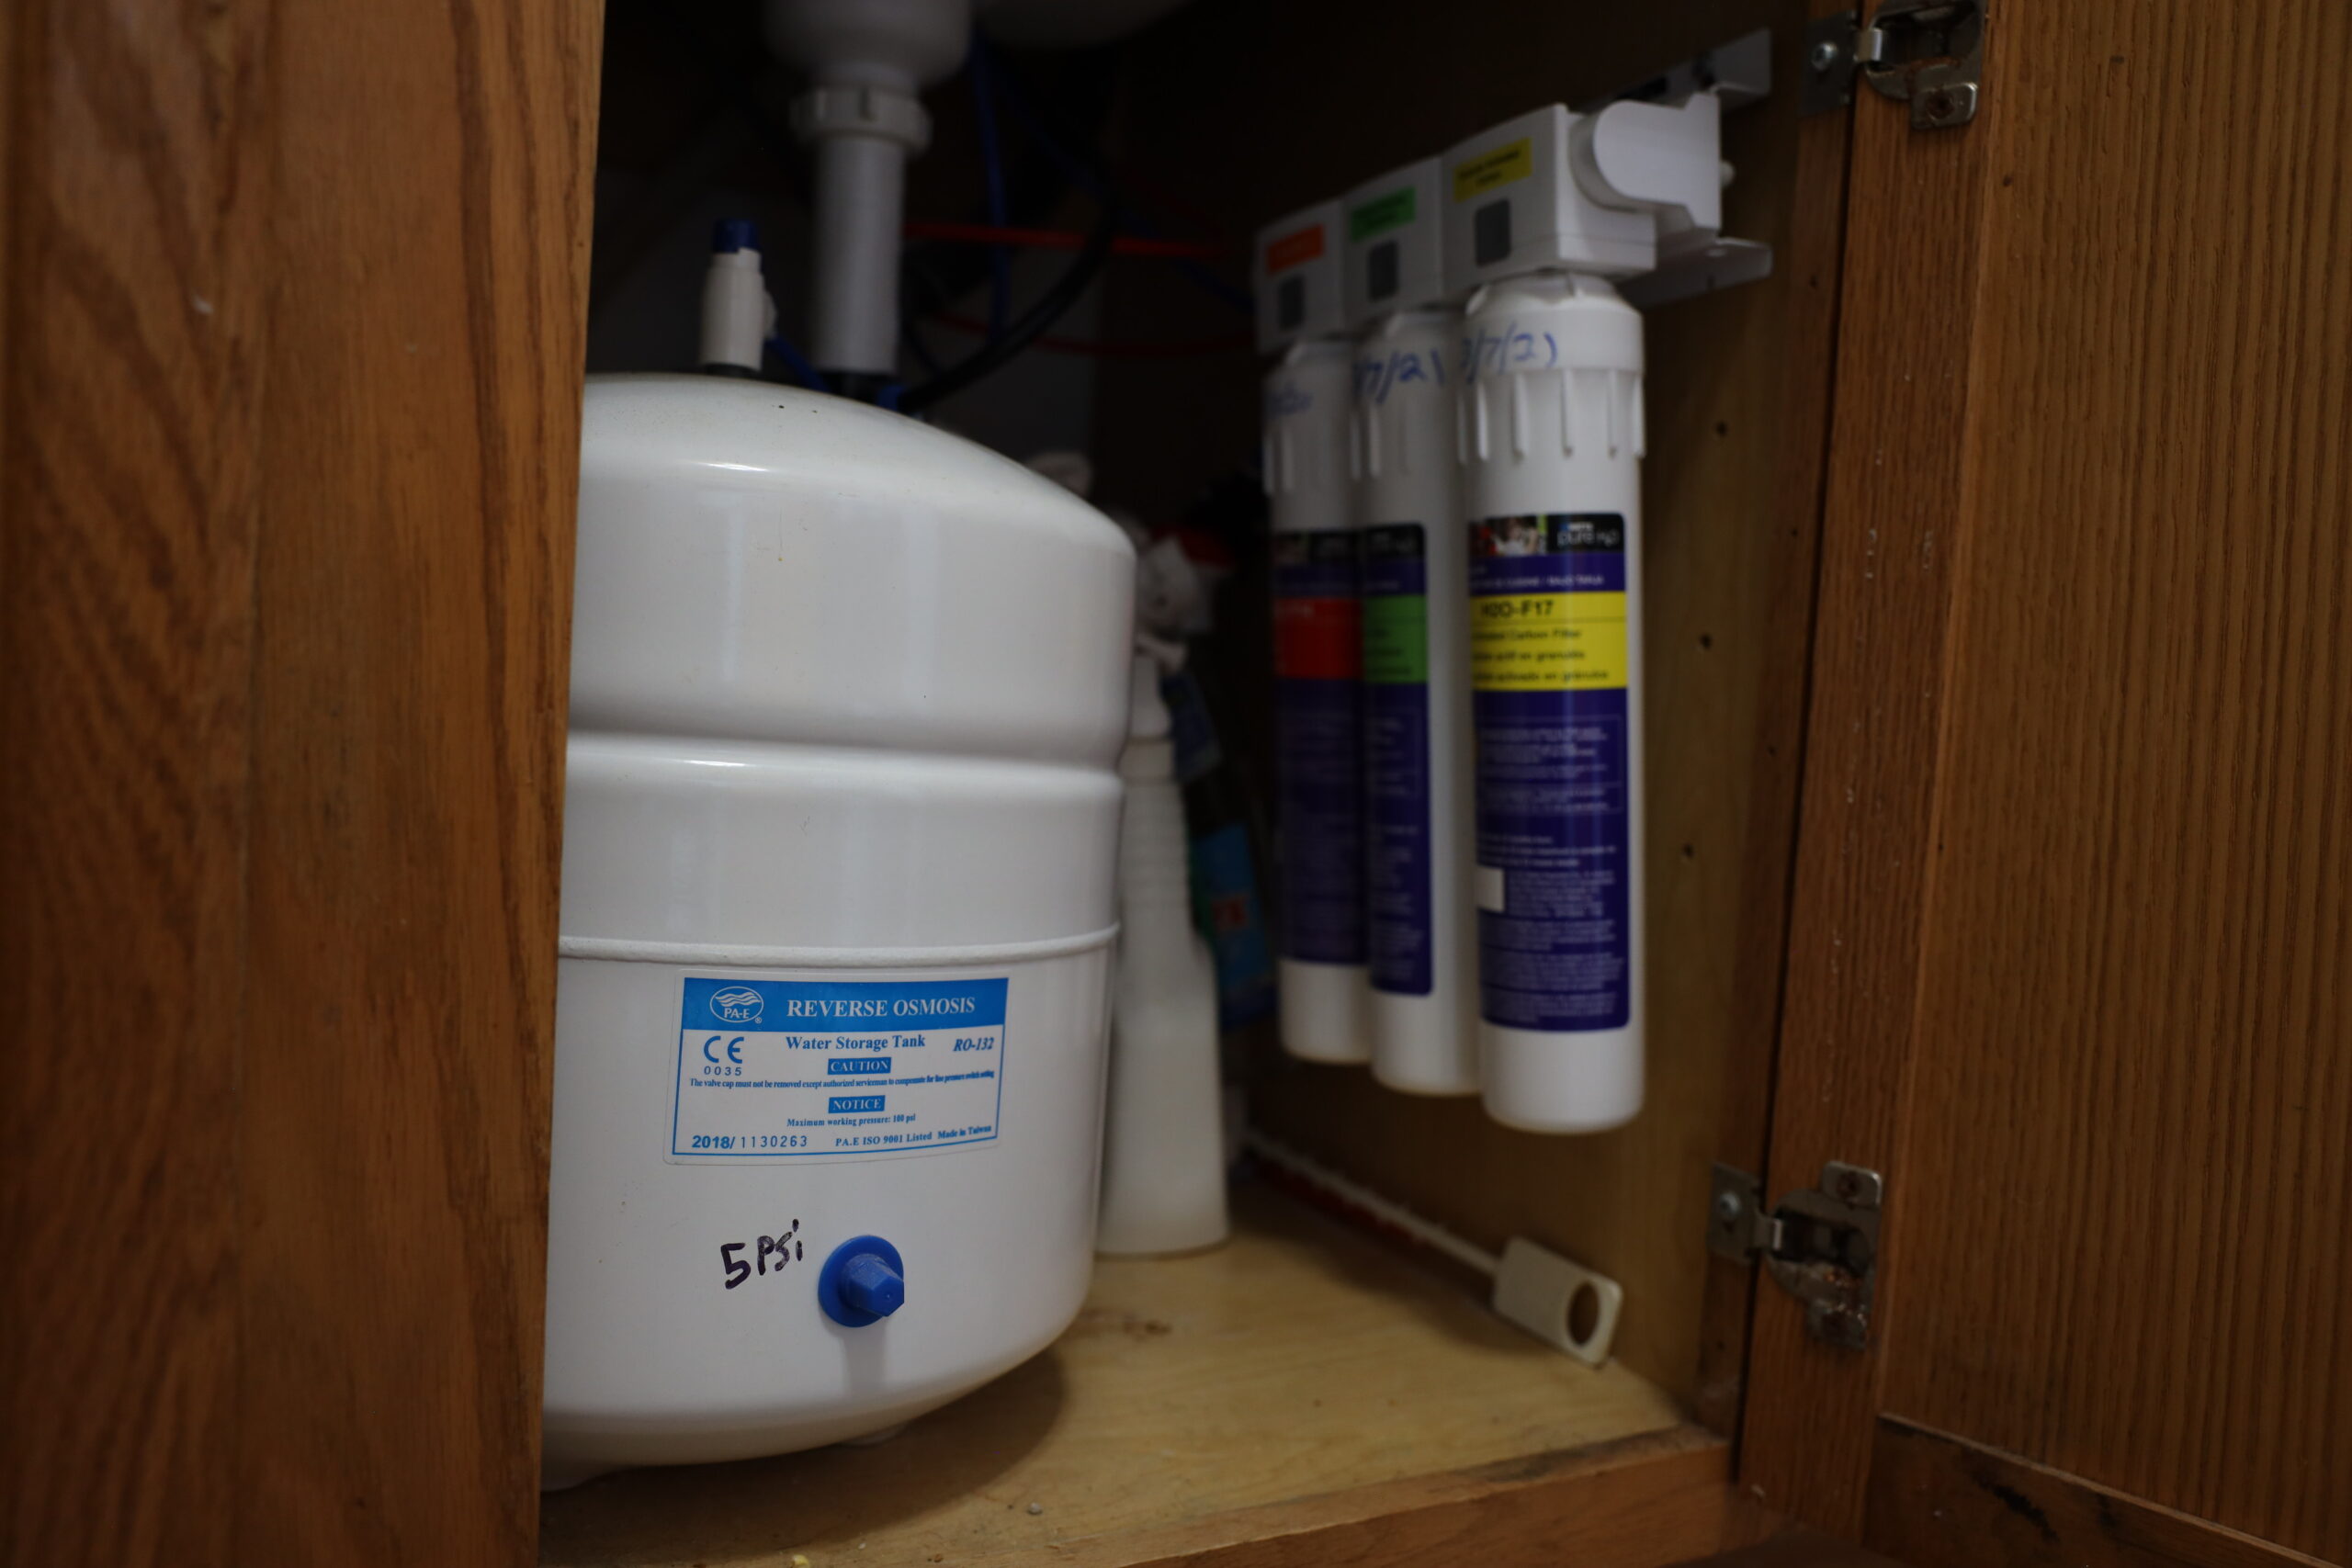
x,y
1550,426
1319,654
1421,930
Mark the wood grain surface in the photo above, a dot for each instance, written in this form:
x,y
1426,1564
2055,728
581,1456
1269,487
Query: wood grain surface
x,y
1889,546
2136,990
130,400
1936,1502
1735,391
1644,1501
2072,942
1810,260
293,332
1796,1547
1300,1378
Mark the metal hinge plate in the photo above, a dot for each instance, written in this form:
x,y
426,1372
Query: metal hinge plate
x,y
1929,54
1820,1244
1828,63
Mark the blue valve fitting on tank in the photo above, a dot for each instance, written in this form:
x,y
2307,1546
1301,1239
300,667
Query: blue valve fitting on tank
x,y
864,1281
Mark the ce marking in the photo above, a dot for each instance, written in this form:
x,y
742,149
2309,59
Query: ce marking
x,y
734,1049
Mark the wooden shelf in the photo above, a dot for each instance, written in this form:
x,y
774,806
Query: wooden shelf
x,y
1297,1381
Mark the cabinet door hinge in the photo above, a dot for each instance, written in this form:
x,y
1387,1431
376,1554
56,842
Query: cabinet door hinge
x,y
1820,1244
1929,54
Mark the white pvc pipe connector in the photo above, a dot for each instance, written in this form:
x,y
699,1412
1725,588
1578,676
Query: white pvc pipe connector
x,y
735,311
866,60
861,183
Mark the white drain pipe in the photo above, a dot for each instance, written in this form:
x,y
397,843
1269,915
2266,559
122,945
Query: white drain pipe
x,y
866,60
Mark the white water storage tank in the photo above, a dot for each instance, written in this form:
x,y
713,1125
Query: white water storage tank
x,y
847,699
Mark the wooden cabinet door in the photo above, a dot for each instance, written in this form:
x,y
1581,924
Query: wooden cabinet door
x,y
291,314
2071,958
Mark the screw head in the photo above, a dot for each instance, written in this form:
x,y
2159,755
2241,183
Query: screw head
x,y
1939,106
1825,55
1728,1208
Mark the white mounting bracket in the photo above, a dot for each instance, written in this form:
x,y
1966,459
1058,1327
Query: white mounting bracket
x,y
1693,261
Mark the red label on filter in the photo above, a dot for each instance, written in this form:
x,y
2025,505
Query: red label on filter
x,y
1299,245
1318,639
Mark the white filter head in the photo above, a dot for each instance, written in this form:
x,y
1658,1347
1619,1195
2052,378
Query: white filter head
x,y
1395,256
1296,271
1586,193
1513,205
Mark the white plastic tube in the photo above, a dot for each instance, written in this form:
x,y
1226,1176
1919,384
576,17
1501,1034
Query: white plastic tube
x,y
1420,933
1551,438
1163,1144
1317,694
1535,1287
861,190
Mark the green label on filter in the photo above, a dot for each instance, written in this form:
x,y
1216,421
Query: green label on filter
x,y
1380,214
1397,637
1395,605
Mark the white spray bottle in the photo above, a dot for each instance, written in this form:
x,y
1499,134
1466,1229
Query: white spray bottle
x,y
1163,1142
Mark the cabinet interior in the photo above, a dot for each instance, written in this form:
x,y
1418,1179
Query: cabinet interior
x,y
1308,1362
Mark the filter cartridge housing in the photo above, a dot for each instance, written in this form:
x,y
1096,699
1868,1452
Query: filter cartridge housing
x,y
1551,433
1420,934
1419,930
1319,662
841,821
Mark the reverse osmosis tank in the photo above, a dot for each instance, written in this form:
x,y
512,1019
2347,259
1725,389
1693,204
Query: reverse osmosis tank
x,y
848,696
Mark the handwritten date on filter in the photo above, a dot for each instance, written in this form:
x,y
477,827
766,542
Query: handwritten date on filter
x,y
769,1255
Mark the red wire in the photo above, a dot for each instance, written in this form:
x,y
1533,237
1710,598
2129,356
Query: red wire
x,y
1099,349
1056,239
1137,180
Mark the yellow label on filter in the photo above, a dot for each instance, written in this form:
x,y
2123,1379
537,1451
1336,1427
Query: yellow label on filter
x,y
1499,166
1548,642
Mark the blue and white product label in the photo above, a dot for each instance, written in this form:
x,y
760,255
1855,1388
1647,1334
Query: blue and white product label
x,y
1318,759
1224,893
1549,670
1396,758
1189,727
772,1069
